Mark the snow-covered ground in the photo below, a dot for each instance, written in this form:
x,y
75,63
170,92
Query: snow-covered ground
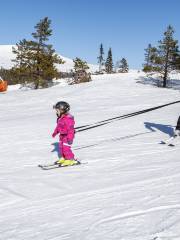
x,y
6,56
173,80
129,190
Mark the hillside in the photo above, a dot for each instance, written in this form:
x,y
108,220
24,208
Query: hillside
x,y
129,190
6,56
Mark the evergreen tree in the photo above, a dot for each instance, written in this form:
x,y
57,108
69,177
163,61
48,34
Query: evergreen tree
x,y
150,59
123,67
109,62
117,64
167,54
9,75
80,65
35,59
80,75
49,59
23,61
177,62
100,57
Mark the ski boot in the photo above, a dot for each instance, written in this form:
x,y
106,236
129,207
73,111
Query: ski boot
x,y
69,162
60,161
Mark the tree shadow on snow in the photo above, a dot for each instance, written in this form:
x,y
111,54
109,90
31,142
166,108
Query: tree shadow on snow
x,y
154,80
167,129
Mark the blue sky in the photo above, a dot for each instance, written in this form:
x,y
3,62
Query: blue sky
x,y
79,26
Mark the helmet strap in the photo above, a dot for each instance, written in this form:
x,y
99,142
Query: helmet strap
x,y
58,113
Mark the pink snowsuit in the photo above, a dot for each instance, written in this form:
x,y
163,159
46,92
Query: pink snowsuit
x,y
65,127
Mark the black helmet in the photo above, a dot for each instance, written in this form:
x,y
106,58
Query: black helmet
x,y
62,106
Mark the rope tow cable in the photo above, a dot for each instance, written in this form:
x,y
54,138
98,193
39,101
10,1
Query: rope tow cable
x,y
104,122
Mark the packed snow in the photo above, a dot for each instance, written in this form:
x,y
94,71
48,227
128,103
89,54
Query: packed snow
x,y
128,190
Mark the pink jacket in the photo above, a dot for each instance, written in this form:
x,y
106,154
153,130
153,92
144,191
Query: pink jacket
x,y
65,127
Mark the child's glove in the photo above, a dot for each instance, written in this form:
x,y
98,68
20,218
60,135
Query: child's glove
x,y
53,135
69,142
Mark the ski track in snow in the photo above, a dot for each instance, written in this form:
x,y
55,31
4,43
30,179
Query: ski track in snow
x,y
129,190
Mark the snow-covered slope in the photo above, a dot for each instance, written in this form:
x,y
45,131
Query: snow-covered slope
x,y
129,190
6,56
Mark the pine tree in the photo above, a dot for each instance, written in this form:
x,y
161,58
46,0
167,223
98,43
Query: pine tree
x,y
100,57
148,54
44,54
150,59
109,62
81,75
23,63
80,64
35,59
123,67
177,62
167,54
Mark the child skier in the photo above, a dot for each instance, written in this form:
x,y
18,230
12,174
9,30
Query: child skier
x,y
65,129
